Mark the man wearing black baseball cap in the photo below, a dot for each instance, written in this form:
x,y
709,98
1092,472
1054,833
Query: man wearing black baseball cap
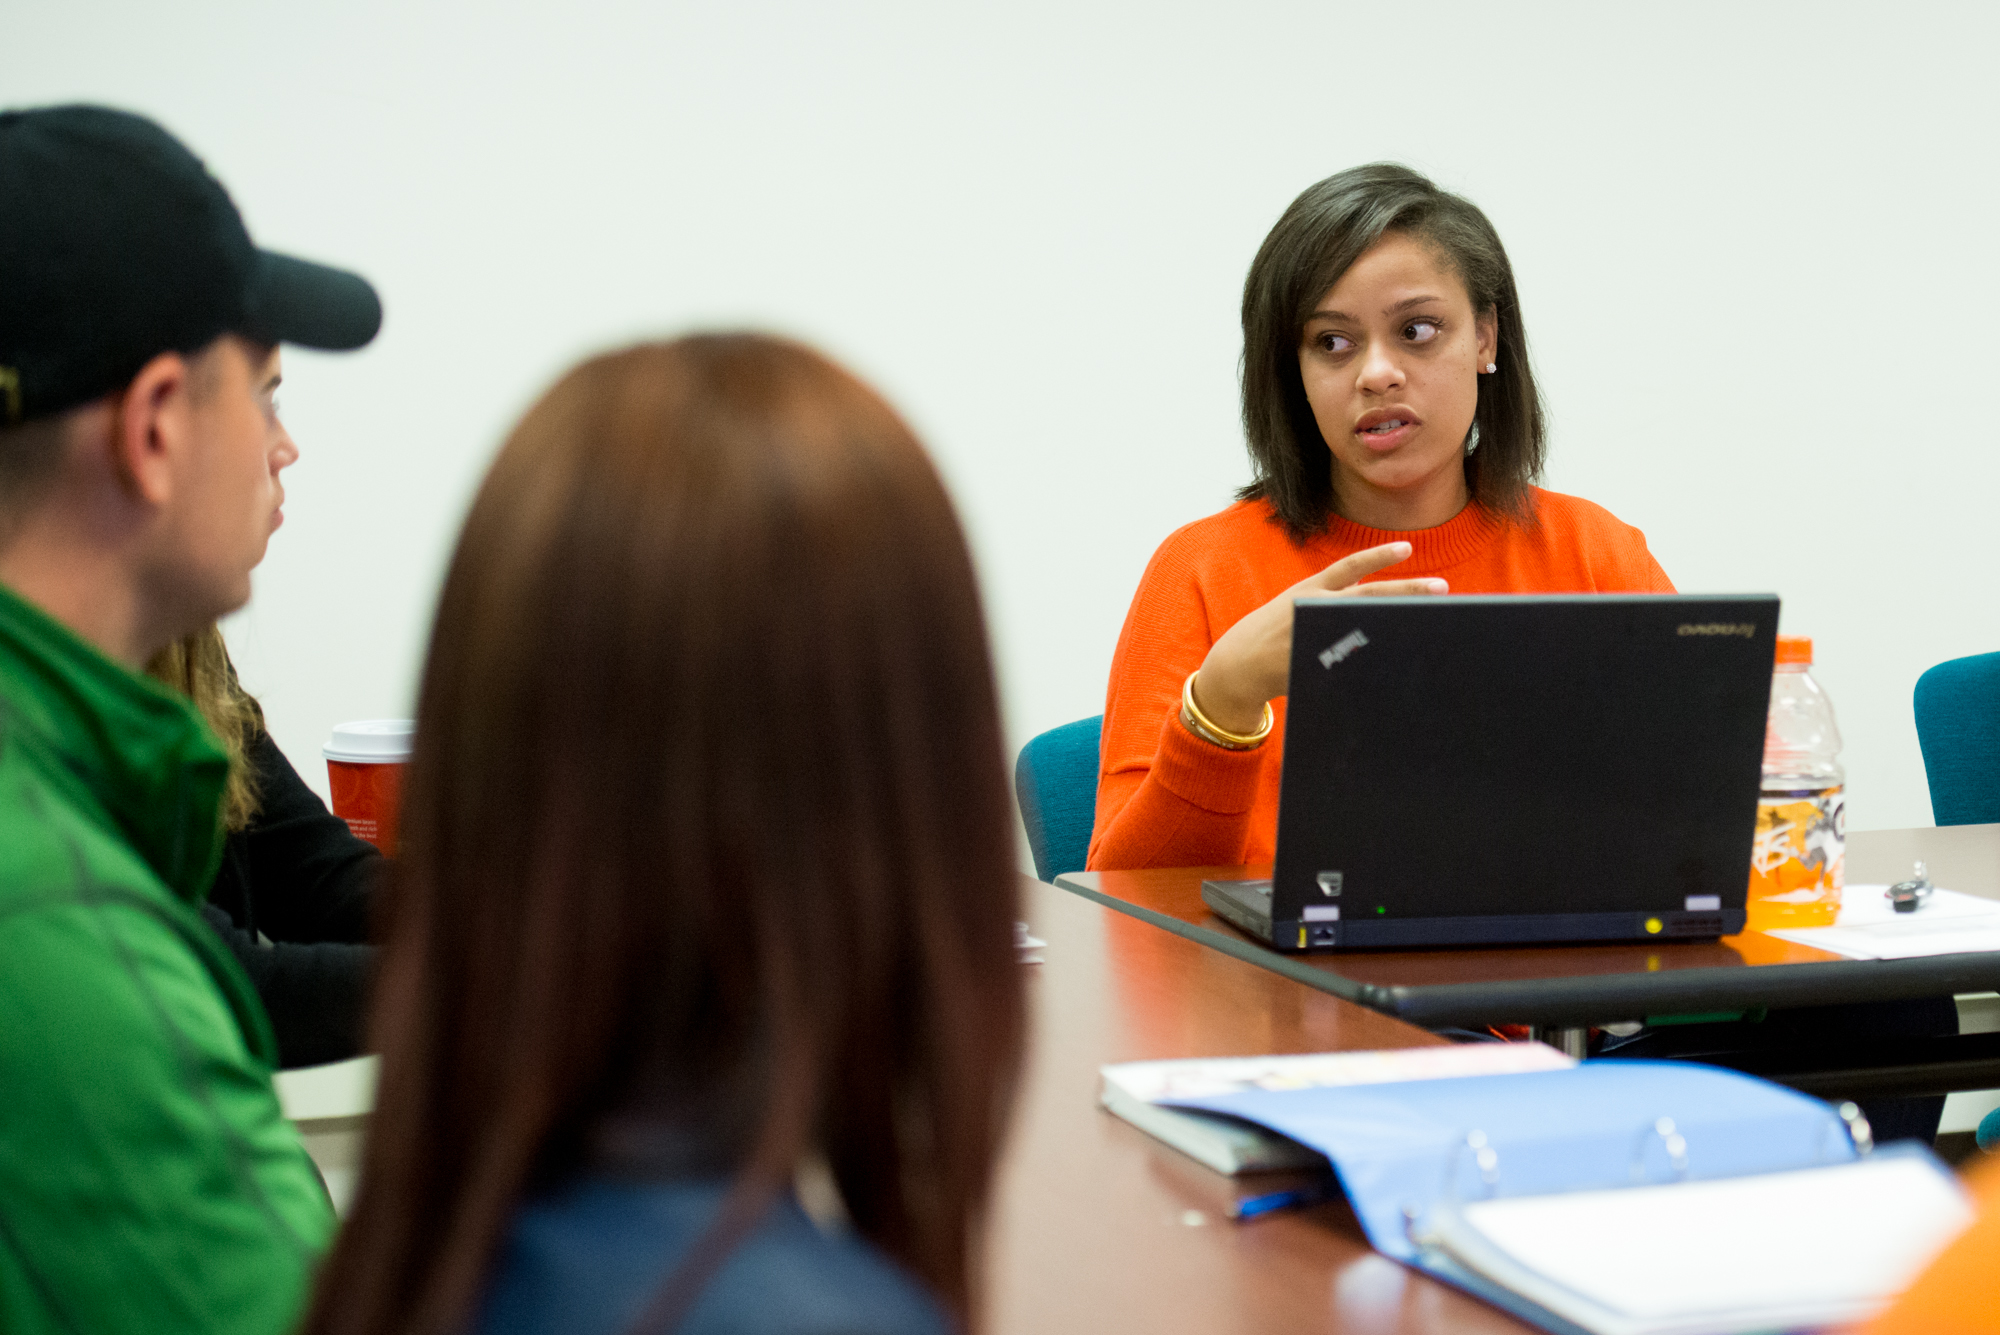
x,y
148,1181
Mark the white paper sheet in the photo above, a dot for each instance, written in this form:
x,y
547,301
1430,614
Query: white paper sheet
x,y
1771,1251
1869,928
338,1089
1204,1077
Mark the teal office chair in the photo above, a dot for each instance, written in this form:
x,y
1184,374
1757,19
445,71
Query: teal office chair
x,y
1055,779
1958,726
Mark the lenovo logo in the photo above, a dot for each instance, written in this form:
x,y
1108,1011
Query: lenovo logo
x,y
1744,628
1341,648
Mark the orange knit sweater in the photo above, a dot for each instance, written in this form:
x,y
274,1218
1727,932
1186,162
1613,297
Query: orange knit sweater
x,y
1165,798
1959,1294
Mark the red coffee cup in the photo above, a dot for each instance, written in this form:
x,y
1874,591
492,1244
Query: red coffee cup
x,y
364,765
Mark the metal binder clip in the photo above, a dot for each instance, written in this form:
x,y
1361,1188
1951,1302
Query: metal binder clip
x,y
1857,1126
1670,1140
1909,896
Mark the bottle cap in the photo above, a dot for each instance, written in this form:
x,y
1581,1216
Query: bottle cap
x,y
1795,649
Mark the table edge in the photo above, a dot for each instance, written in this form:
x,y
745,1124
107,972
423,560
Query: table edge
x,y
1603,998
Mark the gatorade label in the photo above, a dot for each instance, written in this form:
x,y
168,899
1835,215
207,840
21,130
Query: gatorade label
x,y
1797,861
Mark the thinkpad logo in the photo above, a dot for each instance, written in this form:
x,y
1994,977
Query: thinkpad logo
x,y
1744,628
1341,648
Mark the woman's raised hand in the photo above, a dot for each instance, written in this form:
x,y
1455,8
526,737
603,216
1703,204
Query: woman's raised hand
x,y
1251,663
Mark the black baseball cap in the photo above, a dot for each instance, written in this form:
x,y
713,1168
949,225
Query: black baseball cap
x,y
116,245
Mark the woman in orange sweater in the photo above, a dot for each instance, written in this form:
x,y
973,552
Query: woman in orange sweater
x,y
1392,421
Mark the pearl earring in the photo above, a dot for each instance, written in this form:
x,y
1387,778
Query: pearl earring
x,y
1491,367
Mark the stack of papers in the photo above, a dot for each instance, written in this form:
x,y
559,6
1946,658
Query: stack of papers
x,y
1205,1077
1228,1144
1869,928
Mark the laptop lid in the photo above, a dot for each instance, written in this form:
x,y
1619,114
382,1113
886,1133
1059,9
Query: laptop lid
x,y
1486,769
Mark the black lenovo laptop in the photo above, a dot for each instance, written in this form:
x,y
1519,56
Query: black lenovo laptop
x,y
1515,769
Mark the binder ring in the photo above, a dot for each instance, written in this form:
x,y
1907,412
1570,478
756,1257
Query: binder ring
x,y
1858,1131
1848,1123
1423,1239
1671,1140
1484,1157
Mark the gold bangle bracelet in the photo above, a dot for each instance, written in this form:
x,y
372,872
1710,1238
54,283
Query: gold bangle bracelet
x,y
1202,726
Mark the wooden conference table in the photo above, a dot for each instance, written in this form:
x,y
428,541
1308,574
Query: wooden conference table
x,y
1098,1227
1560,989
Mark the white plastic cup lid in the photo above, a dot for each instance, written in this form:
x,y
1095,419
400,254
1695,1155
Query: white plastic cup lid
x,y
371,741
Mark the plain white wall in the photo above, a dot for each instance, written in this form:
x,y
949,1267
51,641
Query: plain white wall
x,y
1753,243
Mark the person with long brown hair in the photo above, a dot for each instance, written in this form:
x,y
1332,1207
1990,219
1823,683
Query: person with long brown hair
x,y
706,874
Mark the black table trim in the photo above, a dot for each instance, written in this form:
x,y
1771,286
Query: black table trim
x,y
1604,998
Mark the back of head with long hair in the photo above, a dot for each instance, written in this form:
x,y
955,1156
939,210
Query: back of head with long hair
x,y
1326,229
706,829
197,665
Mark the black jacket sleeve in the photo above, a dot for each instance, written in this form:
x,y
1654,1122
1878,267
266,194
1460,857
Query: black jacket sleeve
x,y
315,995
297,877
296,872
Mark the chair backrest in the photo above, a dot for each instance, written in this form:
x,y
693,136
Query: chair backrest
x,y
1958,725
1055,779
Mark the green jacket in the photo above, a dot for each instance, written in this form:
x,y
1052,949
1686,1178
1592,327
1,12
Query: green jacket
x,y
148,1181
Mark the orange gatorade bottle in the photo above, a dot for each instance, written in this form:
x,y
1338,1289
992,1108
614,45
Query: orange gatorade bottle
x,y
1796,864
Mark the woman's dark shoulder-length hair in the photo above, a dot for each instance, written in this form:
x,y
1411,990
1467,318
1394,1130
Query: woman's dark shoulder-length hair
x,y
708,864
1325,231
